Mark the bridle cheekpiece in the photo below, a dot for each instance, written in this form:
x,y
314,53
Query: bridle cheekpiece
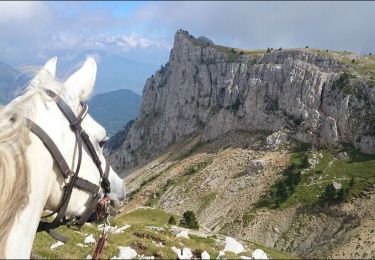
x,y
71,177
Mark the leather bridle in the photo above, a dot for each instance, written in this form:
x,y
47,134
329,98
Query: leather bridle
x,y
71,177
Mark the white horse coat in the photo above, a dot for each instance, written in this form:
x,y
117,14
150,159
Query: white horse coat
x,y
43,183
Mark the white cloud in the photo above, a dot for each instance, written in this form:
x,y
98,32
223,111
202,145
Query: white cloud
x,y
15,11
123,43
333,25
32,30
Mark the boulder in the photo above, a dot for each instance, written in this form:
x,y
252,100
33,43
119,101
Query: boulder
x,y
231,245
256,166
275,139
259,254
126,253
342,156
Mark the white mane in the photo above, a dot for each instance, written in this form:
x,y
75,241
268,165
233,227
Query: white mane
x,y
14,170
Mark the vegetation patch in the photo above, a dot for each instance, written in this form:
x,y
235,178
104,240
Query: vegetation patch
x,y
189,220
247,218
343,83
196,168
330,181
206,240
147,216
286,186
236,106
206,201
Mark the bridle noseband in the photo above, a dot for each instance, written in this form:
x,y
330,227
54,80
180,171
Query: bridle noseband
x,y
72,178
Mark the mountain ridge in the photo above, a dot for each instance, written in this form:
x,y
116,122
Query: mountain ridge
x,y
115,108
320,97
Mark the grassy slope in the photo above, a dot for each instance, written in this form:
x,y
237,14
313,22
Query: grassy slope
x,y
359,166
139,236
363,65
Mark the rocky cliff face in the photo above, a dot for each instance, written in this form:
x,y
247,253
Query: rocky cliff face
x,y
210,89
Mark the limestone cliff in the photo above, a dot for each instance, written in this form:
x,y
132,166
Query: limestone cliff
x,y
322,97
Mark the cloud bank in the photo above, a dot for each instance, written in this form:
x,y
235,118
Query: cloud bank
x,y
34,31
333,25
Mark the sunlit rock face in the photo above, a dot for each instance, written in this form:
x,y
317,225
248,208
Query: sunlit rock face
x,y
209,89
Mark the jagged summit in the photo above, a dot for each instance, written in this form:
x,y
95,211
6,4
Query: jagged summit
x,y
323,98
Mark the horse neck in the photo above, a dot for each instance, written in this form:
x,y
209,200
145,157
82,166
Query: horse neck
x,y
22,234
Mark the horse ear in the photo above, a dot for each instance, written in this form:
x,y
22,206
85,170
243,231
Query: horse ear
x,y
50,66
81,83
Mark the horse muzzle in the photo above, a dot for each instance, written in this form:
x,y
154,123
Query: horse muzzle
x,y
106,207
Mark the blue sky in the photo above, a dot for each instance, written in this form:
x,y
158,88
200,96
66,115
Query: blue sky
x,y
31,32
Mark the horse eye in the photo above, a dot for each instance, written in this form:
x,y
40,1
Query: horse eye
x,y
102,143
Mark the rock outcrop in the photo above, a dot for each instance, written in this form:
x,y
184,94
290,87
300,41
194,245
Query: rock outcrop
x,y
210,89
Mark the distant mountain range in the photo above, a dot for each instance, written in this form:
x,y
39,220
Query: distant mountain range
x,y
114,109
114,71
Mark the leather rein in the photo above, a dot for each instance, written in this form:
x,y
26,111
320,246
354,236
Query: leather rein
x,y
71,177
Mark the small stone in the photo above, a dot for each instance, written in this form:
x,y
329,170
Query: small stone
x,y
256,166
276,230
337,185
276,139
90,239
205,255
56,245
183,234
342,156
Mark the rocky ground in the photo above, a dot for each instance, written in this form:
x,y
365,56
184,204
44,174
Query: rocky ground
x,y
222,181
144,233
271,146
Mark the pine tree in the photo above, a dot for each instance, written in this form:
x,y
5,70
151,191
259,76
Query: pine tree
x,y
189,220
172,220
329,193
282,191
341,195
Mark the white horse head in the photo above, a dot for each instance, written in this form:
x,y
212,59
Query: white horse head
x,y
29,177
